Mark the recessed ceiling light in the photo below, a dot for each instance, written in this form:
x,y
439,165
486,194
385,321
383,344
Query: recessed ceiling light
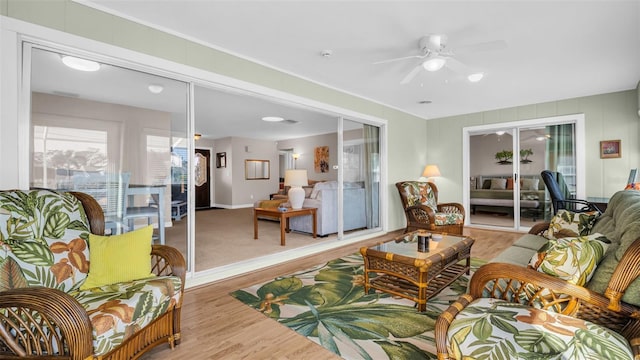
x,y
272,118
475,77
80,64
156,88
500,132
326,53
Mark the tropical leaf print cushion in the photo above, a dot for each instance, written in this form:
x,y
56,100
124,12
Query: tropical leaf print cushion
x,y
420,193
43,241
568,224
494,329
572,259
448,218
117,311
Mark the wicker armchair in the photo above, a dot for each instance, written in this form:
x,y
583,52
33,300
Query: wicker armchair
x,y
46,323
422,210
531,289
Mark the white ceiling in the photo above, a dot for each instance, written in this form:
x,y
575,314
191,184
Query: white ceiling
x,y
555,49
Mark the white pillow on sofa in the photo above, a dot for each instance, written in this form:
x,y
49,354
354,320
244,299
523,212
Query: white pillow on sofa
x,y
529,184
498,184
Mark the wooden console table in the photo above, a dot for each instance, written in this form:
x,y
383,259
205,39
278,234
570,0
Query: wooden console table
x,y
284,219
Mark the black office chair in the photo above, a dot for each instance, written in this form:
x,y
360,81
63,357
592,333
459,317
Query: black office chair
x,y
558,199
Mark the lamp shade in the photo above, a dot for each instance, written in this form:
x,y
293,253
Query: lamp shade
x,y
296,179
293,177
431,171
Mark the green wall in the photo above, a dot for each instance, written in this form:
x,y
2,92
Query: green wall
x,y
607,116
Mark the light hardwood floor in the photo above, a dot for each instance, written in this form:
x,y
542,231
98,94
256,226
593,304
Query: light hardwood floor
x,y
217,326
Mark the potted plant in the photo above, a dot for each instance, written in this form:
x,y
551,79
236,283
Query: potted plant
x,y
504,157
524,155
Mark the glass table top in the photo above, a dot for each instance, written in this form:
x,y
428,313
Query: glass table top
x,y
407,244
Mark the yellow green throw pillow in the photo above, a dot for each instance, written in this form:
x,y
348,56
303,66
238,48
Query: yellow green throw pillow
x,y
119,258
573,259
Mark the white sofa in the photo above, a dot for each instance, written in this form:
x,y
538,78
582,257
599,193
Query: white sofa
x,y
324,197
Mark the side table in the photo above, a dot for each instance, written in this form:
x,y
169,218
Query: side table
x,y
284,219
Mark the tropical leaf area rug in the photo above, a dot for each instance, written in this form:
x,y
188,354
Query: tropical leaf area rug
x,y
327,304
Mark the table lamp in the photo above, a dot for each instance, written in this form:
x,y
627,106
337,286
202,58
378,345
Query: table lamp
x,y
431,171
296,179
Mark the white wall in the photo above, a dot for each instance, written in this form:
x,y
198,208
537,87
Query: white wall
x,y
305,146
246,192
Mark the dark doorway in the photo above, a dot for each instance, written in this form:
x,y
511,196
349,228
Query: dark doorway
x,y
203,183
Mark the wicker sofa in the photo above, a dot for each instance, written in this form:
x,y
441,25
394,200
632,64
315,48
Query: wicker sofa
x,y
602,317
44,311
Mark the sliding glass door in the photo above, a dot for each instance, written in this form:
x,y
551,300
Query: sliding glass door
x,y
361,176
504,166
173,147
109,131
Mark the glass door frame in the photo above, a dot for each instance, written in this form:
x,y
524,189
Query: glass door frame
x,y
515,126
19,35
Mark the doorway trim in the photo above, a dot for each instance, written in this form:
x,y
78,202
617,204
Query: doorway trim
x,y
577,119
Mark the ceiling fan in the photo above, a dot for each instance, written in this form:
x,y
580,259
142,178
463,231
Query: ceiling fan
x,y
434,56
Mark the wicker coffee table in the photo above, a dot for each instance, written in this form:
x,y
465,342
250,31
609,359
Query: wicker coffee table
x,y
397,267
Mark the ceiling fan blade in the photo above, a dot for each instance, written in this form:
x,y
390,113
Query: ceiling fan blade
x,y
483,46
398,59
407,79
457,66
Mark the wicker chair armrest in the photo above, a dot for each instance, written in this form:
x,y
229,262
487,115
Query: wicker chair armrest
x,y
444,321
167,260
539,228
37,313
451,208
93,210
626,272
526,286
518,284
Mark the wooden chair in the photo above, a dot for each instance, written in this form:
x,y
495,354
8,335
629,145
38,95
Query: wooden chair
x,y
422,210
46,323
531,289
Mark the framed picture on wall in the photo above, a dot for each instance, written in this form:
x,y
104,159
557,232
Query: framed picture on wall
x,y
321,159
610,149
221,160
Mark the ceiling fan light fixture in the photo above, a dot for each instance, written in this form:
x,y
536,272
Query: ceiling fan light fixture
x,y
80,64
272,118
155,88
434,64
475,77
